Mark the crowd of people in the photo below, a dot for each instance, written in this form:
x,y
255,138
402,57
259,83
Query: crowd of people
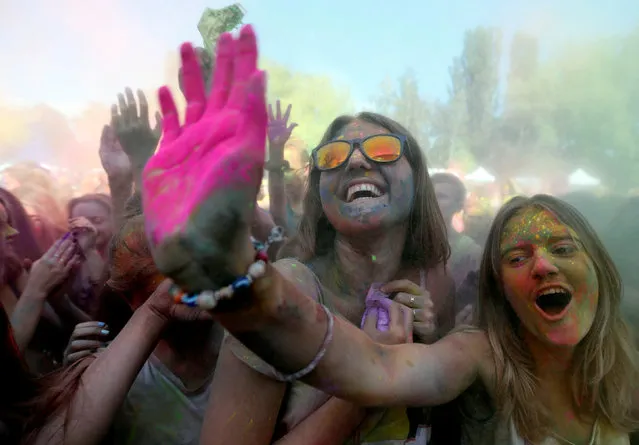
x,y
351,310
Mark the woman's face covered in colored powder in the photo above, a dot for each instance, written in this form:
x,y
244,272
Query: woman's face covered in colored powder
x,y
388,189
549,279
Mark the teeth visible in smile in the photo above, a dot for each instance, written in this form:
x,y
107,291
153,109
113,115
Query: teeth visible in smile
x,y
552,290
362,188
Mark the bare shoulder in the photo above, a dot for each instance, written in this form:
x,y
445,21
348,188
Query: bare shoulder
x,y
472,341
475,343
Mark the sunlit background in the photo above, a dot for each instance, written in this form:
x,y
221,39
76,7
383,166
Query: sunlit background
x,y
527,96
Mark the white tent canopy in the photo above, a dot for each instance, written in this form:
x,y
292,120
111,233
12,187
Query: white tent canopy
x,y
580,177
480,175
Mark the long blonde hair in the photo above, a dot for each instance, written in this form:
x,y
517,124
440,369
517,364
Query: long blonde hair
x,y
604,369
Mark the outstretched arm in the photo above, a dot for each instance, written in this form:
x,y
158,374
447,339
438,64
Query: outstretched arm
x,y
106,381
355,368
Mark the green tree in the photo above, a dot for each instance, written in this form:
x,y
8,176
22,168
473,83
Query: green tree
x,y
595,107
215,22
404,103
478,69
450,123
316,100
463,127
523,132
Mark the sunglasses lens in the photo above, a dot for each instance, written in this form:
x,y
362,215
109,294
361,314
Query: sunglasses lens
x,y
332,155
383,148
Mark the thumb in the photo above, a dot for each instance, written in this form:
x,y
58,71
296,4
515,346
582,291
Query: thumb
x,y
27,263
163,288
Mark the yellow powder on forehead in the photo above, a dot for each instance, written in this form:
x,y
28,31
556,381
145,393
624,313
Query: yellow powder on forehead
x,y
533,223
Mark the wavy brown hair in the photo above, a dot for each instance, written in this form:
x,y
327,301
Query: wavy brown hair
x,y
605,364
426,243
24,244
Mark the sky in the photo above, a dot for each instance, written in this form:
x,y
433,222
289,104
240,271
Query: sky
x,y
69,53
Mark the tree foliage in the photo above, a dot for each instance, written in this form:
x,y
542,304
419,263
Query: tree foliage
x,y
405,104
578,108
316,100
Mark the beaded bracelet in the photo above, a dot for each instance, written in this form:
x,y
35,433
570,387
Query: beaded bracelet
x,y
209,299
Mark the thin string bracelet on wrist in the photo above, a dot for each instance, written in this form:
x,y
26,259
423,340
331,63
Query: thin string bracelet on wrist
x,y
287,378
209,299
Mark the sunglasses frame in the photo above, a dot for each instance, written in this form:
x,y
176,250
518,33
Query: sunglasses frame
x,y
359,142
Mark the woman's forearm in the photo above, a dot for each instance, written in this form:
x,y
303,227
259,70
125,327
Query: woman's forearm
x,y
67,310
291,336
277,198
332,424
276,192
52,316
105,383
26,316
121,189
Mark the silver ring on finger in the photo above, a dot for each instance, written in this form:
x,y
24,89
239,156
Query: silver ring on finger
x,y
411,300
414,313
50,261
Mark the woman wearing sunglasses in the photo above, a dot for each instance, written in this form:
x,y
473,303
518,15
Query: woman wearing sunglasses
x,y
370,219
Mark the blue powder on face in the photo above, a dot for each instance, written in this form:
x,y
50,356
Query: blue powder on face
x,y
351,211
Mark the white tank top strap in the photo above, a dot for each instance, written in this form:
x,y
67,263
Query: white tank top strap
x,y
516,439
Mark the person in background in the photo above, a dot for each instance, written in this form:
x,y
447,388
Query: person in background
x,y
620,238
91,224
18,386
23,241
47,215
465,254
30,287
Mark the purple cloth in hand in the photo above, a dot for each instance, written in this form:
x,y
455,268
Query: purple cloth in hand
x,y
377,303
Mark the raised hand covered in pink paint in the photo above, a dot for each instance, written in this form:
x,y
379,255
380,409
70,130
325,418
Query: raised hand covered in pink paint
x,y
199,189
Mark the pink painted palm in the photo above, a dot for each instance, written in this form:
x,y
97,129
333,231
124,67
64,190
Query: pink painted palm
x,y
199,189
